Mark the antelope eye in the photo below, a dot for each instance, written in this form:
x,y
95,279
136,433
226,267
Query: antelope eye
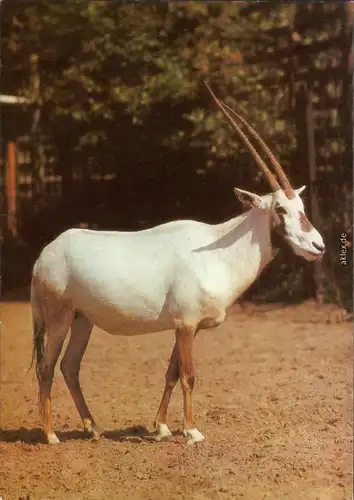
x,y
280,210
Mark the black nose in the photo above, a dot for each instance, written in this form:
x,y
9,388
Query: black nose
x,y
320,248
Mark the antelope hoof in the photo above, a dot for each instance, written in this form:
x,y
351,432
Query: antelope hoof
x,y
94,430
52,439
97,432
163,432
193,435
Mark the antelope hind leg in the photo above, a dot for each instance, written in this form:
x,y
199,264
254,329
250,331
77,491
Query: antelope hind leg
x,y
58,324
81,329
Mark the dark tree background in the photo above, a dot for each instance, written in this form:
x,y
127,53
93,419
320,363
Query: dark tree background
x,y
120,132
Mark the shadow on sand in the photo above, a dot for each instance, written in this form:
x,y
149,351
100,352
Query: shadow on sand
x,y
134,434
36,436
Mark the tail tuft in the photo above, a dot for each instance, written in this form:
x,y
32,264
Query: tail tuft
x,y
38,332
38,346
38,340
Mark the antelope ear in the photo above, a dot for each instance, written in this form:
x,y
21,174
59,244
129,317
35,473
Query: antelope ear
x,y
300,190
249,200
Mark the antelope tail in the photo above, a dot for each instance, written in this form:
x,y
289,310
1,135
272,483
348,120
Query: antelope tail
x,y
38,332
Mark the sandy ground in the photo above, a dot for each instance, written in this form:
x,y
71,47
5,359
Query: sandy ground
x,y
273,397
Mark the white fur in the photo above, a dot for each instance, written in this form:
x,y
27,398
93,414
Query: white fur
x,y
147,281
131,283
163,432
301,242
193,436
52,439
181,273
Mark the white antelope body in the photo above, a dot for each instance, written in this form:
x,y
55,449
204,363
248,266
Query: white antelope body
x,y
182,275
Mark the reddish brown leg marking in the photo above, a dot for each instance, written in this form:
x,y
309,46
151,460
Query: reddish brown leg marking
x,y
171,377
180,366
81,329
184,340
47,367
58,324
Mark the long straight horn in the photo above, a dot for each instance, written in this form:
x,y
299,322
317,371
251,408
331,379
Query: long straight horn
x,y
271,179
284,181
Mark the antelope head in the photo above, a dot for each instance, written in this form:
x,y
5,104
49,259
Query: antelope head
x,y
284,204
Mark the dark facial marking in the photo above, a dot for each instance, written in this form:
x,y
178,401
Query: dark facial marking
x,y
280,210
305,224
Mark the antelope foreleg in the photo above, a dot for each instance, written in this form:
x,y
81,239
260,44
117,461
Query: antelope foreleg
x,y
171,377
184,340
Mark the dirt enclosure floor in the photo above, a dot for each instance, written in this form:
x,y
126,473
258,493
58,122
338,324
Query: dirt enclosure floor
x,y
273,397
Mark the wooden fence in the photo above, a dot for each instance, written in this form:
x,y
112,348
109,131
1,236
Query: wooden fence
x,y
311,60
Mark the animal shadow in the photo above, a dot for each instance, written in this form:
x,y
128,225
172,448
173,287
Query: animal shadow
x,y
133,434
23,435
36,436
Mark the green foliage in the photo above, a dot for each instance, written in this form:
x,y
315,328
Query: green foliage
x,y
98,61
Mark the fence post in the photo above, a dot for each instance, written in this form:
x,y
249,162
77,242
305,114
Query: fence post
x,y
312,273
38,153
11,189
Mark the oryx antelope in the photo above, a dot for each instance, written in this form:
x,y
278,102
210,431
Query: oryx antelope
x,y
182,275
